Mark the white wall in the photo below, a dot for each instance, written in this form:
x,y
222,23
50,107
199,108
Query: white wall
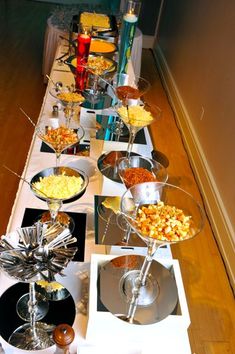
x,y
196,43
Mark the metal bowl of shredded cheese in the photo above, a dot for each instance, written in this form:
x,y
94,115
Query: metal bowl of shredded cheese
x,y
61,183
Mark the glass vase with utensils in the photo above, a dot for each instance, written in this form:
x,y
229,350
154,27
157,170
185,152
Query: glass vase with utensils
x,y
160,214
29,254
57,136
132,170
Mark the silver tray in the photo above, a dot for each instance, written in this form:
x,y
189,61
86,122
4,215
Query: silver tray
x,y
111,299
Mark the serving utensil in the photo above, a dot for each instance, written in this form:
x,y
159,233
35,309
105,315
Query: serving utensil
x,y
25,180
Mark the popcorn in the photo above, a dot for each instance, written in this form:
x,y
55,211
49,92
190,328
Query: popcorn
x,y
163,222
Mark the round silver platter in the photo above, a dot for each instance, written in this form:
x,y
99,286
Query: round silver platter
x,y
112,300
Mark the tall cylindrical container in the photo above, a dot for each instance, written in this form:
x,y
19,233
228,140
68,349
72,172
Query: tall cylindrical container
x,y
129,22
83,49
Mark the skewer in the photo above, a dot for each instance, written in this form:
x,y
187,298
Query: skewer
x,y
57,85
25,180
26,115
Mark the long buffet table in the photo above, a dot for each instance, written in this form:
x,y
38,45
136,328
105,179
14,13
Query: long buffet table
x,y
78,273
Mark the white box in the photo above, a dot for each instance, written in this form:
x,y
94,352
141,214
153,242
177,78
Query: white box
x,y
103,326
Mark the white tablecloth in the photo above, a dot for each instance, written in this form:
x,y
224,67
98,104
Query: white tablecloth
x,y
77,271
52,38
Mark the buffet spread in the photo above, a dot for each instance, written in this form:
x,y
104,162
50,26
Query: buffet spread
x,y
88,240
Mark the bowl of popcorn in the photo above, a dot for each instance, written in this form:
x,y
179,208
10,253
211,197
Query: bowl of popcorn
x,y
162,213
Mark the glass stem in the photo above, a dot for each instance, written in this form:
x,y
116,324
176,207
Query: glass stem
x,y
127,235
57,161
130,142
68,112
32,305
54,206
140,281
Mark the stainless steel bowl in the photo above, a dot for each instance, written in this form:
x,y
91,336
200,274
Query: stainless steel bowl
x,y
67,171
72,63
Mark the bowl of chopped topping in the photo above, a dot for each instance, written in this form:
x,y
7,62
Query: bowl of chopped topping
x,y
59,183
97,64
139,169
67,95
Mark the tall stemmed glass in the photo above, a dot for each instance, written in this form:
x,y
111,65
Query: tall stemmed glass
x,y
128,89
160,214
135,118
139,169
58,185
69,99
133,170
57,136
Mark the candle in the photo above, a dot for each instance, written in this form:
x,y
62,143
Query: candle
x,y
129,17
83,48
129,23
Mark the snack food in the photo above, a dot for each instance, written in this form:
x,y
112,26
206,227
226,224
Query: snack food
x,y
135,175
112,203
99,64
58,186
136,116
100,46
124,92
91,19
60,137
111,158
163,222
70,97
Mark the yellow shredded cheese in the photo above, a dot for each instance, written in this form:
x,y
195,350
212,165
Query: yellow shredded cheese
x,y
136,116
58,186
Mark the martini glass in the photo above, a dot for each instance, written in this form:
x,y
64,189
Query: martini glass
x,y
139,169
95,87
128,89
57,136
69,99
72,182
160,214
135,118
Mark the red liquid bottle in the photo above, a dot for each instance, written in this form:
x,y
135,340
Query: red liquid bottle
x,y
83,48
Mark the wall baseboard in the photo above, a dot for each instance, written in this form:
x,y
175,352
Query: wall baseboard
x,y
216,211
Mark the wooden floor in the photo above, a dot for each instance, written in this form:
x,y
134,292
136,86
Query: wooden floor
x,y
209,295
